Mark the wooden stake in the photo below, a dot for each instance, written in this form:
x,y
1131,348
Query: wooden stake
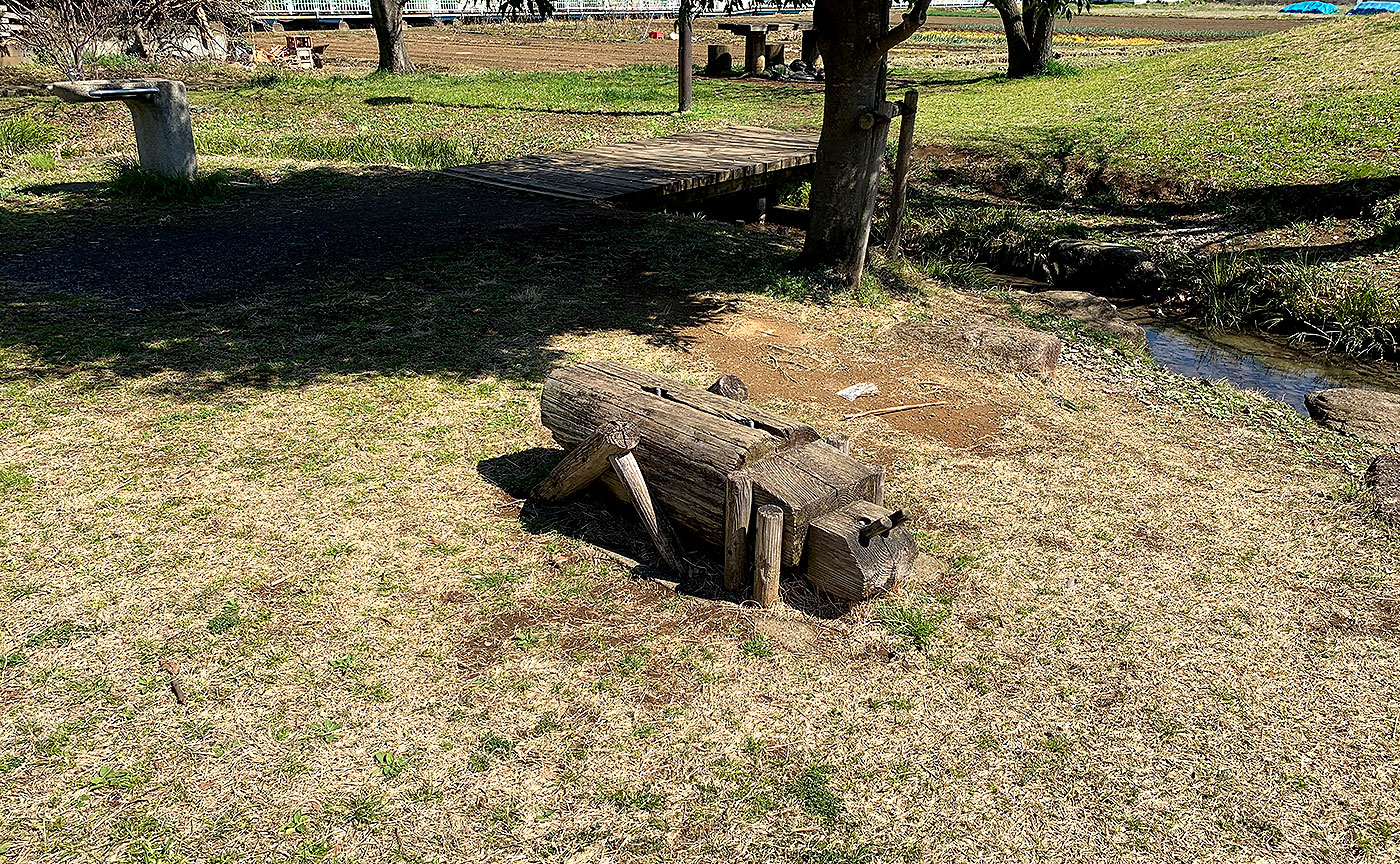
x,y
877,495
901,171
175,686
738,515
586,462
767,555
653,518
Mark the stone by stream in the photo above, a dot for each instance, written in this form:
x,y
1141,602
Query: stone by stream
x,y
1372,415
1093,311
1384,479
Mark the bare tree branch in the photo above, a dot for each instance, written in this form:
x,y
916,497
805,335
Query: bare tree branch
x,y
913,20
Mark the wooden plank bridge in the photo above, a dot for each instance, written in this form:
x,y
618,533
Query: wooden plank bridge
x,y
676,169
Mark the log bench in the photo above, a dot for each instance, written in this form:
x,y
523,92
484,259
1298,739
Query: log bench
x,y
160,112
770,492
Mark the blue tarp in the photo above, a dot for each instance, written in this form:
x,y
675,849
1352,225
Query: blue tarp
x,y
1311,7
1374,7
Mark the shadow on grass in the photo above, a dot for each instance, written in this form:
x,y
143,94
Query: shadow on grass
x,y
602,521
389,101
389,271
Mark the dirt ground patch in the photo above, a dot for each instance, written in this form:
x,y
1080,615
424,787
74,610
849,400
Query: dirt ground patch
x,y
454,48
782,360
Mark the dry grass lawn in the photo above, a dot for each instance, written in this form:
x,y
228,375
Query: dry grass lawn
x,y
1153,619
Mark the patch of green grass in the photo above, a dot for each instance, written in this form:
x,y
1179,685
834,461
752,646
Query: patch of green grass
x,y
21,135
133,183
389,764
227,619
634,798
917,625
14,479
813,793
759,646
1236,116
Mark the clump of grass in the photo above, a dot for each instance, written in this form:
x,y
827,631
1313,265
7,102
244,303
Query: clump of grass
x,y
1008,240
21,135
133,183
1348,312
1056,69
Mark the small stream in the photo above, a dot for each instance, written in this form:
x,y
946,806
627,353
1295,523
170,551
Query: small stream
x,y
1272,366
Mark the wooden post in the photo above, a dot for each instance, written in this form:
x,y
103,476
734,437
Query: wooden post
x,y
754,42
773,56
840,442
586,462
810,50
653,519
767,555
901,171
720,62
684,56
738,515
877,496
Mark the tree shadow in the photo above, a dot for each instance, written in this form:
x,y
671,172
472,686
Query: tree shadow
x,y
597,518
384,271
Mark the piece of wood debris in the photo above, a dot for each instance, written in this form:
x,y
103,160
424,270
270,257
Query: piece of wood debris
x,y
894,410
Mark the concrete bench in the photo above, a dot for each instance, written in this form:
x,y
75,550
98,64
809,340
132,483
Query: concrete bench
x,y
159,110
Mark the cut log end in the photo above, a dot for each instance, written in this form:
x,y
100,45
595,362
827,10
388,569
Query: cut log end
x,y
859,551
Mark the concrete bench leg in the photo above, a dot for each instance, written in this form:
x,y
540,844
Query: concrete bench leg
x,y
164,135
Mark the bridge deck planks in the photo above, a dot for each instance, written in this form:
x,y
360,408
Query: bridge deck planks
x,y
654,169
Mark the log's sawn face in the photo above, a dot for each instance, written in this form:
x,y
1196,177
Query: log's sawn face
x,y
691,441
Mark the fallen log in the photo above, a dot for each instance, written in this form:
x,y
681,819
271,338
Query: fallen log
x,y
711,464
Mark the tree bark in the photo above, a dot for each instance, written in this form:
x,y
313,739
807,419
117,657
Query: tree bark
x,y
387,16
849,157
1030,29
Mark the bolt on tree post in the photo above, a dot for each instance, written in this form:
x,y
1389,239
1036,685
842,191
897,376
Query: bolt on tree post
x,y
854,36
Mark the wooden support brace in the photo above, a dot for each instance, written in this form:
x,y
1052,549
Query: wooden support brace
x,y
738,516
586,462
900,187
652,516
767,555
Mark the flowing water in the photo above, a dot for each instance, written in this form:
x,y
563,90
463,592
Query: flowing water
x,y
1273,367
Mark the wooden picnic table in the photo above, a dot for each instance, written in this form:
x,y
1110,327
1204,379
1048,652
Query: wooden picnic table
x,y
756,42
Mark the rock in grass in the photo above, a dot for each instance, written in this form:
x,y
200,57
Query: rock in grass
x,y
1372,415
1116,269
1021,348
1092,311
1384,479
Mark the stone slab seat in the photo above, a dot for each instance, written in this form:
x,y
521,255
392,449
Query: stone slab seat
x,y
160,111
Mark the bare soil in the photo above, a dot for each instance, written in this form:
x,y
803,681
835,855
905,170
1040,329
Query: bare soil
x,y
453,48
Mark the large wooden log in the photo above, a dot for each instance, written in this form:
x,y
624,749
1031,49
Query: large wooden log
x,y
690,440
709,463
857,562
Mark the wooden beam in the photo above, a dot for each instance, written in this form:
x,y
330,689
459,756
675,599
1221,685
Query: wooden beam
x,y
767,555
651,514
840,442
587,462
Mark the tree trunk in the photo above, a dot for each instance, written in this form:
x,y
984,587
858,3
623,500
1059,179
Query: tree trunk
x,y
1027,41
849,157
388,30
684,58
